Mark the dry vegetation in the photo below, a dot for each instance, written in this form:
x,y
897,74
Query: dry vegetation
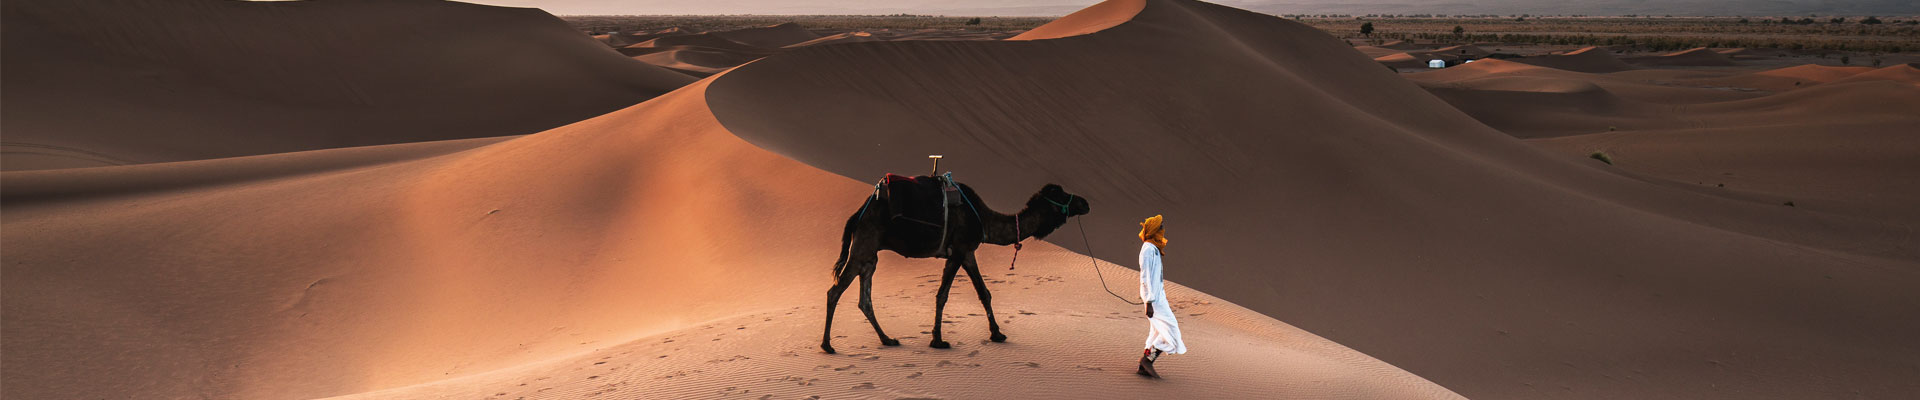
x,y
1891,34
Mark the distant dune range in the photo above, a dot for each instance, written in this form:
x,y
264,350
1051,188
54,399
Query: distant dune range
x,y
679,247
1839,139
127,82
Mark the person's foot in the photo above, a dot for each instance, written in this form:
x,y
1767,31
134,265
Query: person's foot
x,y
1146,368
939,344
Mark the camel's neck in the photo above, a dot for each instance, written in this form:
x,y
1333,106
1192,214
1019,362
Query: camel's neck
x,y
1003,229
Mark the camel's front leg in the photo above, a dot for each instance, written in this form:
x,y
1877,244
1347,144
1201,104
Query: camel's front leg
x,y
986,298
866,306
940,303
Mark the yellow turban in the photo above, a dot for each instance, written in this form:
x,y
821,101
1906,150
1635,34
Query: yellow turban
x,y
1151,232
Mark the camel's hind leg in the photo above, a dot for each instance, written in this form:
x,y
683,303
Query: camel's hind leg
x,y
940,303
866,306
833,299
986,298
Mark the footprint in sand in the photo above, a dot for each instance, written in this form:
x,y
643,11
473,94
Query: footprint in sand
x,y
915,375
864,385
974,353
1028,364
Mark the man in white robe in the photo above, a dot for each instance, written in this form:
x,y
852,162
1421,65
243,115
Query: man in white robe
x,y
1163,330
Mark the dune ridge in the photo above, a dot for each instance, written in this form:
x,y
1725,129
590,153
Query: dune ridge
x,y
1587,59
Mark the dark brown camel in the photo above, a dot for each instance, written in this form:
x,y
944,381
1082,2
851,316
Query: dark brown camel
x,y
969,224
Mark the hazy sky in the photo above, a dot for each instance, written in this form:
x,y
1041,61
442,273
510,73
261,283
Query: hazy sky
x,y
1060,7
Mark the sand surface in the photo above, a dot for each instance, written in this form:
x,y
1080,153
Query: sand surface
x,y
1339,230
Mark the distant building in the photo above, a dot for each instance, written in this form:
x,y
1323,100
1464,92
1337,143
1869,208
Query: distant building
x,y
1436,63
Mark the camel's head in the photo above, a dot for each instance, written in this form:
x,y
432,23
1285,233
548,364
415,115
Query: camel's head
x,y
1057,205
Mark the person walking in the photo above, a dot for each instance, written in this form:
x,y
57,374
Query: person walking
x,y
1163,331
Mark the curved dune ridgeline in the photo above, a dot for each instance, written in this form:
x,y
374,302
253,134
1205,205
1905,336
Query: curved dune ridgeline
x,y
1303,181
134,81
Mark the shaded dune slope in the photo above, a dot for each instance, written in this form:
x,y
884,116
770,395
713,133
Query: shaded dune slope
x,y
152,81
1305,182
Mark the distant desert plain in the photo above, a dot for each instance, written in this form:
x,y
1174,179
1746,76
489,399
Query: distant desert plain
x,y
423,199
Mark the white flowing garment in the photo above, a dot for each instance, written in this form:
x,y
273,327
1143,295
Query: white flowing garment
x,y
1163,331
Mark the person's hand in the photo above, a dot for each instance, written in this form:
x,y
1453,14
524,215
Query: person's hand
x,y
1149,309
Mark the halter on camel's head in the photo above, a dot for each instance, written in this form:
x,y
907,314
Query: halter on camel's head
x,y
1058,206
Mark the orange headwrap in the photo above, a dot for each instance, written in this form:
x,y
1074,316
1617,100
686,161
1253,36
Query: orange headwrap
x,y
1151,232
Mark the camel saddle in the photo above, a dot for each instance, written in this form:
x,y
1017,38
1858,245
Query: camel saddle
x,y
918,206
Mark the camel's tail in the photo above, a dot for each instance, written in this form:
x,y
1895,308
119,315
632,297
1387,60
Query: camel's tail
x,y
846,237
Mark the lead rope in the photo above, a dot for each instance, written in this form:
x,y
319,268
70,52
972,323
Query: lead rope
x,y
1016,242
1095,263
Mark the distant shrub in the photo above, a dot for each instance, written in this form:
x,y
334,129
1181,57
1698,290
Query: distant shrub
x,y
1845,60
1602,156
974,21
1366,29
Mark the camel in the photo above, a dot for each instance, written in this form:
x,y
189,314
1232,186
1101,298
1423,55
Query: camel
x,y
967,223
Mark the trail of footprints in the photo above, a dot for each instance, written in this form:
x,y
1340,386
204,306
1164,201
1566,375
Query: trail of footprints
x,y
679,344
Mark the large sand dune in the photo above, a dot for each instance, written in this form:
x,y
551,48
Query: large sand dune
x,y
127,82
680,247
499,266
1317,188
467,268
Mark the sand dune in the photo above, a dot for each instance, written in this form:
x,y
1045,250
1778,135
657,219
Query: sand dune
x,y
242,78
775,36
624,39
1781,79
1589,59
1902,73
847,37
1637,85
1695,57
1070,341
476,262
679,247
525,256
1841,143
1319,190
